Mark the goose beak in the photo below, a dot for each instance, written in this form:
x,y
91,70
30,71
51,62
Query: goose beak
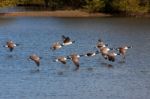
x,y
111,48
68,57
117,49
28,59
106,44
41,57
118,53
130,46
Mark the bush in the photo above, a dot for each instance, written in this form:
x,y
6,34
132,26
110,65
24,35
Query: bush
x,y
94,5
8,3
129,6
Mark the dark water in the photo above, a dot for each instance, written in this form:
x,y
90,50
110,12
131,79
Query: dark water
x,y
94,80
20,9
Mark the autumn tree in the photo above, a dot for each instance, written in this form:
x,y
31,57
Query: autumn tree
x,y
8,3
129,6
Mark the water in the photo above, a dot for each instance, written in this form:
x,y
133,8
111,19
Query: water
x,y
94,80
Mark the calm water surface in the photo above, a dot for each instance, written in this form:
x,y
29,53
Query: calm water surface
x,y
94,80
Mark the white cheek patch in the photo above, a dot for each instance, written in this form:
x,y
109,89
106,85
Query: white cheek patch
x,y
115,54
126,47
65,58
56,60
93,54
78,56
86,55
6,45
67,43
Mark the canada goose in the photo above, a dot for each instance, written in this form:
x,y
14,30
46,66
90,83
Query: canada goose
x,y
111,56
104,51
123,50
35,58
75,60
62,59
11,45
67,41
56,46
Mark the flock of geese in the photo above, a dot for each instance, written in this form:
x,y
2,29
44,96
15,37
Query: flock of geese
x,y
102,49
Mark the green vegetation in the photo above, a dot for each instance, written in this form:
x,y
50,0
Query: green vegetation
x,y
94,5
127,7
8,3
131,6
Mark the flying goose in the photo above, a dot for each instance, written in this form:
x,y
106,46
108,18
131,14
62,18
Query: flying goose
x,y
56,46
62,59
123,50
111,56
35,58
11,45
67,41
75,60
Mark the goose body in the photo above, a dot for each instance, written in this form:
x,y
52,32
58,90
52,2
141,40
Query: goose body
x,y
61,59
56,46
111,56
67,41
35,58
104,51
75,60
123,50
11,45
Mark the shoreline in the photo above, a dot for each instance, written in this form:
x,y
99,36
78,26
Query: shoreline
x,y
66,13
58,13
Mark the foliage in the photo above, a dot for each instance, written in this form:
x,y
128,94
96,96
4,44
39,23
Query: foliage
x,y
129,6
94,5
53,4
8,3
106,6
30,2
74,4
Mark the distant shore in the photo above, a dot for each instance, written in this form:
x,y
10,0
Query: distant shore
x,y
66,13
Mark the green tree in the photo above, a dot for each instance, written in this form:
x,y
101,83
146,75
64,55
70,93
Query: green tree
x,y
129,6
74,4
8,3
53,4
94,5
108,8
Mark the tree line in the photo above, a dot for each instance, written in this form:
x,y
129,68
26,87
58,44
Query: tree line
x,y
92,6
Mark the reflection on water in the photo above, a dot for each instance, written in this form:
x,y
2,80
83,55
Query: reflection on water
x,y
96,77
